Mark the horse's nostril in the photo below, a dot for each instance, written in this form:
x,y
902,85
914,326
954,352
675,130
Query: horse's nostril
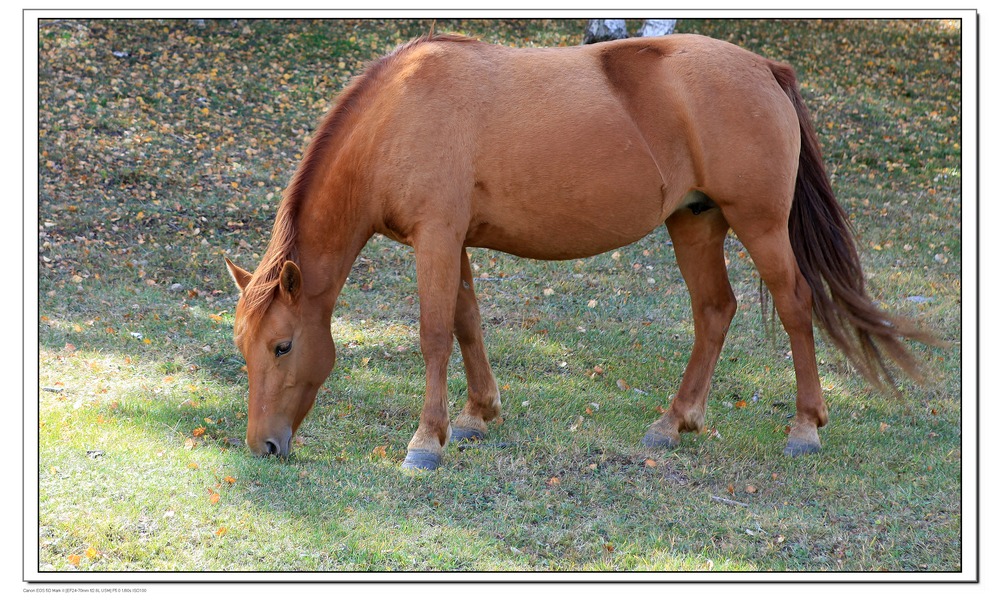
x,y
272,448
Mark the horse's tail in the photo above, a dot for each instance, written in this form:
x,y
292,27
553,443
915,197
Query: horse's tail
x,y
823,241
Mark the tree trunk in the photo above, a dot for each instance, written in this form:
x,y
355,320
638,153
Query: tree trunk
x,y
603,30
652,27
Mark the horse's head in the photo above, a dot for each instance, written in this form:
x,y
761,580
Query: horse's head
x,y
289,354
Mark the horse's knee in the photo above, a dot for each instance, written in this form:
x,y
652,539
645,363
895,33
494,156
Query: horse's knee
x,y
436,342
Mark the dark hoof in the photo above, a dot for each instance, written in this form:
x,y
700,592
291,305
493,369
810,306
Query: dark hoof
x,y
466,434
653,439
801,448
421,460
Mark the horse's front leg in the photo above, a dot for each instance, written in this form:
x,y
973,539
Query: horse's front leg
x,y
438,274
484,396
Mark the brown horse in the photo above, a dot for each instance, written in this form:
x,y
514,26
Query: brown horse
x,y
554,154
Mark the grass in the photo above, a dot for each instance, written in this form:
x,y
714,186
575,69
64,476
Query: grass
x,y
156,163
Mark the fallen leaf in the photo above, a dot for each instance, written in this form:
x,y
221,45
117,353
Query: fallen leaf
x,y
198,431
740,404
74,559
91,553
552,482
379,452
751,489
221,531
882,427
650,463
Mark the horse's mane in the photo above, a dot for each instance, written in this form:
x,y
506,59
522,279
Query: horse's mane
x,y
259,292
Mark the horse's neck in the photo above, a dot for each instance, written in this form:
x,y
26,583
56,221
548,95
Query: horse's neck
x,y
332,232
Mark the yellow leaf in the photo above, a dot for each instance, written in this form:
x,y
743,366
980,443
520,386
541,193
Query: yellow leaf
x,y
91,553
192,465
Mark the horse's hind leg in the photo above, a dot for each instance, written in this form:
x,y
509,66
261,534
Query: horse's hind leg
x,y
767,241
698,245
484,396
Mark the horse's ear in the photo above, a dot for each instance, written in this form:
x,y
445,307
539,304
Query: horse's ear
x,y
290,281
240,276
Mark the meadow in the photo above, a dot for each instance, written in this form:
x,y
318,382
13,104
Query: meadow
x,y
165,145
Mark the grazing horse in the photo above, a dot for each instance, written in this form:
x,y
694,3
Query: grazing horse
x,y
555,154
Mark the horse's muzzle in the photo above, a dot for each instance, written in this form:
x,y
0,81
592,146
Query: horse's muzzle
x,y
277,445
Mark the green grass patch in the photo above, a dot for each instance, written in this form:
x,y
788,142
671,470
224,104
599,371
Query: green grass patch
x,y
165,146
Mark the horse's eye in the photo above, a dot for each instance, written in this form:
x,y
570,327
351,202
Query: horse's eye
x,y
282,348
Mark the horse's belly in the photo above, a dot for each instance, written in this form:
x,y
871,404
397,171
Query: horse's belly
x,y
560,228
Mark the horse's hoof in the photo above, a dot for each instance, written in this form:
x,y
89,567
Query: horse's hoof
x,y
466,434
423,460
654,439
796,447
